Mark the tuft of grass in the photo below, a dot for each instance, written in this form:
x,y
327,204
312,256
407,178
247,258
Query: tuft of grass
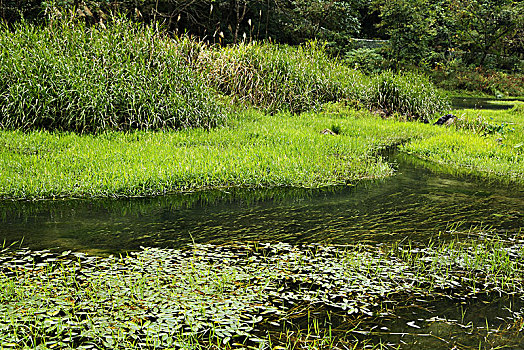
x,y
518,108
66,76
409,94
280,77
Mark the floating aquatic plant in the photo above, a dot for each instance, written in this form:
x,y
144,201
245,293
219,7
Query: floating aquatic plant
x,y
226,295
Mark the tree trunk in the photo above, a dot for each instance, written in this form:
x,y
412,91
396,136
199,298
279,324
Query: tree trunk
x,y
240,14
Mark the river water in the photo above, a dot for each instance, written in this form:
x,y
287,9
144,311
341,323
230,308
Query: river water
x,y
482,103
417,203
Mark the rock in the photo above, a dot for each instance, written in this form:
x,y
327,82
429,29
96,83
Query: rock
x,y
328,132
448,119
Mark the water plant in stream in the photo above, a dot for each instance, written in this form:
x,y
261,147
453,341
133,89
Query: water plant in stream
x,y
244,295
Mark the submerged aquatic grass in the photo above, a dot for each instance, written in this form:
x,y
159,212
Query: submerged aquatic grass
x,y
237,296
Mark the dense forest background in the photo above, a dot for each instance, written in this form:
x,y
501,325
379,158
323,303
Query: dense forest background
x,y
441,35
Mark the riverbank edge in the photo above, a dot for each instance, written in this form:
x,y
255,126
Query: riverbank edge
x,y
338,146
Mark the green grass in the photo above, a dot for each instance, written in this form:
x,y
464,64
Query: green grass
x,y
254,150
408,94
259,151
297,79
490,143
280,77
65,76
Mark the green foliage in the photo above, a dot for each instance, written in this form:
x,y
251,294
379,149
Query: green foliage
x,y
280,77
320,19
292,22
479,80
365,60
482,24
68,77
475,32
409,94
410,26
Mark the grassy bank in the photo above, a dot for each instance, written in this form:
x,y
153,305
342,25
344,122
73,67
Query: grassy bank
x,y
67,92
255,150
491,143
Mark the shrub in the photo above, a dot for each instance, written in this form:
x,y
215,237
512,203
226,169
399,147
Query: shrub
x,y
480,80
409,94
364,59
280,77
66,76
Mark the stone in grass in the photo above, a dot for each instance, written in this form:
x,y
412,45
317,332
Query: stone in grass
x,y
328,132
448,119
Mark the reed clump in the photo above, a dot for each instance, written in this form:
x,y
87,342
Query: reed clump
x,y
69,77
66,76
279,77
409,94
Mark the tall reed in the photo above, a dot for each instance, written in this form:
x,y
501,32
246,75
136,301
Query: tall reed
x,y
280,77
410,94
65,76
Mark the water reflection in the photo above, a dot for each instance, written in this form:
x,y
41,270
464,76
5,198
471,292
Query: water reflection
x,y
481,103
494,321
416,203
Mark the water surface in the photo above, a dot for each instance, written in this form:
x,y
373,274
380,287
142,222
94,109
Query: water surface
x,y
481,103
416,203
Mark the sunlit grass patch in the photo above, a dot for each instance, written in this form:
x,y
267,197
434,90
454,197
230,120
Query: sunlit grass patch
x,y
253,150
489,142
256,151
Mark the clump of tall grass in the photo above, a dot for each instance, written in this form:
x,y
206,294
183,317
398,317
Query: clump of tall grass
x,y
280,77
409,94
66,76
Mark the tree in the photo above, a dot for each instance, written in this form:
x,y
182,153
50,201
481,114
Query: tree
x,y
411,26
484,25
